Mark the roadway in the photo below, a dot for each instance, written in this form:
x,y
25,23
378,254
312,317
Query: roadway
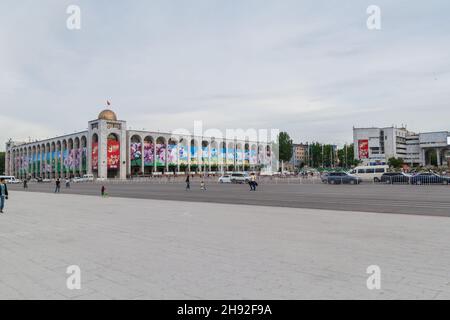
x,y
400,199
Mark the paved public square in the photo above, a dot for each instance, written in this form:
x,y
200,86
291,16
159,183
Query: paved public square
x,y
152,249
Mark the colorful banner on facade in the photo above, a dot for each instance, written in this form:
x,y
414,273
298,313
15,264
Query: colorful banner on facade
x,y
253,157
30,164
239,158
58,160
48,165
183,154
205,155
214,156
136,154
172,156
230,156
53,161
34,162
79,159
65,155
37,164
94,156
72,159
194,155
160,154
223,156
84,159
363,149
113,154
149,159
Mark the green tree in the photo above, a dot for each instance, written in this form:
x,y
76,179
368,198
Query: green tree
x,y
285,145
347,156
395,162
2,162
431,157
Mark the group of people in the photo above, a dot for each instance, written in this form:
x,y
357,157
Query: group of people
x,y
58,185
4,189
188,184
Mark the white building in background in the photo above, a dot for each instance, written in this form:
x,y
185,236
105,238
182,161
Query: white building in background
x,y
108,150
377,145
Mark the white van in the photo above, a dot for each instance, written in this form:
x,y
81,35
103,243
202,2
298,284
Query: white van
x,y
369,173
88,177
84,178
10,179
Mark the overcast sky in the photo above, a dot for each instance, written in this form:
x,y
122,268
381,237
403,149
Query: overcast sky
x,y
311,68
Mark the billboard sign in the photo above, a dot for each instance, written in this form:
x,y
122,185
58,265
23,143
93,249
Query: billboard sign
x,y
363,149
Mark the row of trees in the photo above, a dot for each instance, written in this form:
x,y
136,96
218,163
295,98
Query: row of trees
x,y
329,155
318,154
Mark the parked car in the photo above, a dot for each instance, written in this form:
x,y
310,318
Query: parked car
x,y
340,177
225,179
394,177
429,178
240,177
11,179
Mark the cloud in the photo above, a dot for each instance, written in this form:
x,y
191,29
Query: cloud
x,y
310,68
20,130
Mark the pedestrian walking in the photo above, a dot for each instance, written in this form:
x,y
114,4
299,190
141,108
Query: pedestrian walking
x,y
58,186
103,191
67,183
3,194
202,185
25,184
253,182
188,183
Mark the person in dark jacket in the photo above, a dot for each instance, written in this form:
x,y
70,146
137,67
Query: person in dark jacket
x,y
3,194
58,185
188,184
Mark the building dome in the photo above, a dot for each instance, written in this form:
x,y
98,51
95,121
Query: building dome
x,y
107,115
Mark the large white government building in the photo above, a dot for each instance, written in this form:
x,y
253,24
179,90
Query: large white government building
x,y
376,145
108,150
